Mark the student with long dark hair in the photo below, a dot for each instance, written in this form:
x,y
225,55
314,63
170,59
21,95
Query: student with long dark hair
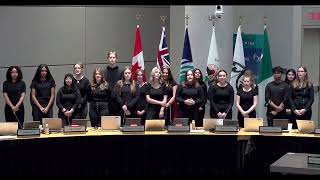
x,y
199,79
221,97
68,99
142,101
14,90
290,76
99,98
301,95
42,93
171,85
190,97
83,85
127,93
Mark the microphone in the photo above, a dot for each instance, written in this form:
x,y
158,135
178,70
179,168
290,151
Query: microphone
x,y
17,119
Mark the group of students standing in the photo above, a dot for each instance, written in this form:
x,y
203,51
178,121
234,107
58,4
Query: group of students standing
x,y
112,92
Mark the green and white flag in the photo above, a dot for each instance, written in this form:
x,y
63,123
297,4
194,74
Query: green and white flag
x,y
264,76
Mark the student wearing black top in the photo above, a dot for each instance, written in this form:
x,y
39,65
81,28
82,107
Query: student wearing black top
x,y
156,95
142,101
68,99
276,94
190,97
14,90
171,86
42,93
199,79
83,84
127,93
301,95
221,97
112,75
99,98
290,76
247,100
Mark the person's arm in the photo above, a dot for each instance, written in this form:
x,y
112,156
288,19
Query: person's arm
x,y
179,99
200,100
211,95
84,99
291,102
34,99
231,97
174,92
58,100
78,99
52,96
135,98
238,104
205,95
6,98
22,96
255,102
311,99
117,91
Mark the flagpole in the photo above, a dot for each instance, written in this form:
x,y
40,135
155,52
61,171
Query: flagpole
x,y
138,18
187,17
163,19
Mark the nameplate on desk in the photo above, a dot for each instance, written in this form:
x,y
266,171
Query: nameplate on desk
x,y
317,130
270,129
178,128
220,128
133,128
28,132
74,129
314,160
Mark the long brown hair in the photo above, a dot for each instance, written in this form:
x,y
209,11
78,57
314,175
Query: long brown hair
x,y
194,82
103,85
297,82
120,83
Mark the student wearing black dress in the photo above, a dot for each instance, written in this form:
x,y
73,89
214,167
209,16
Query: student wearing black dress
x,y
247,100
99,98
112,75
14,90
142,101
199,79
42,93
83,84
156,95
221,97
301,95
127,93
276,94
290,76
171,86
68,99
190,97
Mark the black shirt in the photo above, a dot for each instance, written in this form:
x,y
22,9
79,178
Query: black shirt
x,y
99,95
68,98
170,89
43,90
301,98
84,87
187,92
14,90
125,96
141,102
221,98
112,76
277,92
156,94
246,98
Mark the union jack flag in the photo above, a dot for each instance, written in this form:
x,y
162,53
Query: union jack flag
x,y
163,59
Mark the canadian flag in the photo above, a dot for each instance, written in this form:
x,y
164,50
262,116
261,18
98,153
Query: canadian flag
x,y
137,60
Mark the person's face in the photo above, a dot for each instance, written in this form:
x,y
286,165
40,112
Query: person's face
x,y
197,74
140,76
222,77
156,75
277,75
127,75
14,74
290,76
246,81
189,76
43,72
165,74
301,73
112,58
77,69
98,77
68,81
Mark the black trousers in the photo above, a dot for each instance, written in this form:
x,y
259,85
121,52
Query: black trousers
x,y
10,117
96,110
270,117
38,115
115,108
192,113
82,112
